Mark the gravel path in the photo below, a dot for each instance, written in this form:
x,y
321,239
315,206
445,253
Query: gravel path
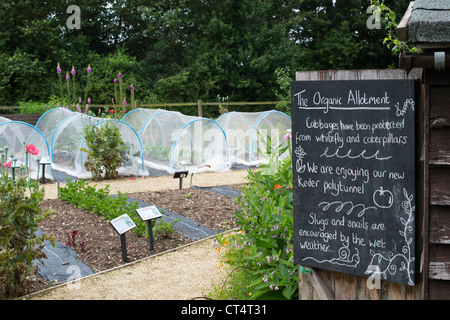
x,y
181,274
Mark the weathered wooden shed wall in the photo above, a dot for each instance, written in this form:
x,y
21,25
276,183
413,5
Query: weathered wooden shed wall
x,y
426,25
436,175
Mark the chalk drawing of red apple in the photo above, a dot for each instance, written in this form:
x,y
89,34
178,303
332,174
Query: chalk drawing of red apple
x,y
383,198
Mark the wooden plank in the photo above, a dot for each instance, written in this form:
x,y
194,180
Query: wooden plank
x,y
440,270
439,186
441,78
439,290
440,225
401,28
439,148
31,118
424,196
439,262
439,110
345,286
320,286
305,289
393,291
369,74
362,291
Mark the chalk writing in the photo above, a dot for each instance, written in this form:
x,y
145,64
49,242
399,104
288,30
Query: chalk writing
x,y
353,156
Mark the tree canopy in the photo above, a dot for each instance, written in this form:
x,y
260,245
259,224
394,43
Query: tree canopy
x,y
183,50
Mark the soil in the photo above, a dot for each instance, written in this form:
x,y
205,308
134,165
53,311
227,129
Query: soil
x,y
102,249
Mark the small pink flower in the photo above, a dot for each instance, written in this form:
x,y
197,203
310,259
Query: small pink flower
x,y
287,137
67,76
7,165
124,102
58,69
115,80
119,75
89,69
133,178
32,149
89,100
73,70
131,87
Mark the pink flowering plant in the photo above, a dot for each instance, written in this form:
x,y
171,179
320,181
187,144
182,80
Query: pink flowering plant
x,y
264,244
120,102
71,96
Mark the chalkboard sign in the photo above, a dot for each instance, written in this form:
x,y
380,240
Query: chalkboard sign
x,y
353,173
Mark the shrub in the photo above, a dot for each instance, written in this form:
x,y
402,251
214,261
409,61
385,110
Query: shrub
x,y
105,149
20,215
164,229
265,242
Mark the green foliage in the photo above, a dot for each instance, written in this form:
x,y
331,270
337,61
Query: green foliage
x,y
182,51
80,194
283,92
265,242
105,149
163,229
20,201
36,107
388,19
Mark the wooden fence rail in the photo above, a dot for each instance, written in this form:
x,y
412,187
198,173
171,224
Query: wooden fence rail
x,y
199,104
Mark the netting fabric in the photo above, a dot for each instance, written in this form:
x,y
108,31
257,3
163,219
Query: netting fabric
x,y
251,134
25,144
174,142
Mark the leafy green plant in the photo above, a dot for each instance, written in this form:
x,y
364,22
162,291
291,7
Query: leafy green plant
x,y
283,80
105,149
80,194
158,152
164,229
388,18
20,201
264,244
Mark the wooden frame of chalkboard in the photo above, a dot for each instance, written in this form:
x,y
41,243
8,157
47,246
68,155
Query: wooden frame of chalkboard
x,y
353,162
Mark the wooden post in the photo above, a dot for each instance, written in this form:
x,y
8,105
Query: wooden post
x,y
199,108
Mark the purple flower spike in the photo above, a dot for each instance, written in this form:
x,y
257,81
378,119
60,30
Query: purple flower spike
x,y
58,69
89,69
119,75
73,70
89,100
124,102
131,87
115,80
67,76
